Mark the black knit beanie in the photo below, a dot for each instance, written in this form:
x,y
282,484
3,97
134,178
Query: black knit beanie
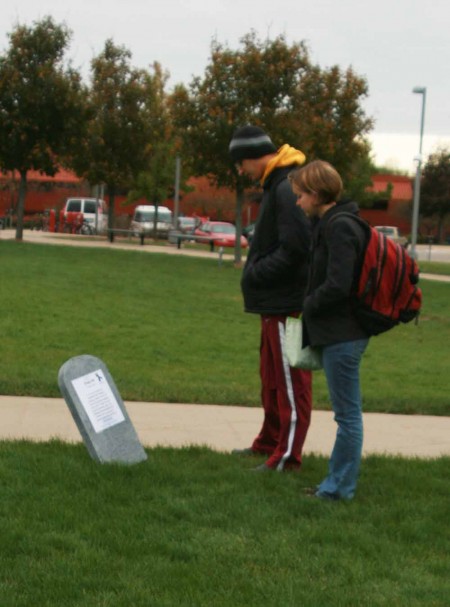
x,y
250,142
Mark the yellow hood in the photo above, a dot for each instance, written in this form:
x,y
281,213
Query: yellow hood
x,y
286,156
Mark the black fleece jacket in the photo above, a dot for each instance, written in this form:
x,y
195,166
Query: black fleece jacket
x,y
275,274
336,258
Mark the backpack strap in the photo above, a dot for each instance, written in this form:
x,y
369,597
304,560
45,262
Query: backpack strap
x,y
367,235
356,218
362,222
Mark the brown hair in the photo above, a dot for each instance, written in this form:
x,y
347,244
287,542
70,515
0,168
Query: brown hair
x,y
318,177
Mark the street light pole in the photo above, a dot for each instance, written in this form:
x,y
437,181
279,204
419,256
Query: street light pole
x,y
421,90
176,199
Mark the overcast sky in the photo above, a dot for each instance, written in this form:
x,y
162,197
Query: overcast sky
x,y
395,44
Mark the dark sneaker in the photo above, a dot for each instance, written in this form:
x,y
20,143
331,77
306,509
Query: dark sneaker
x,y
262,468
314,492
331,497
244,452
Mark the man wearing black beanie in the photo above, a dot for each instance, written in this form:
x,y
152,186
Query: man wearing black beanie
x,y
273,285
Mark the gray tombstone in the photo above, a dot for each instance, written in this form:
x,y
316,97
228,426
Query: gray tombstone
x,y
98,411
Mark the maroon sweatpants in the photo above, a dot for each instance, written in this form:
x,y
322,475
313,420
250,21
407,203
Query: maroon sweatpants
x,y
286,399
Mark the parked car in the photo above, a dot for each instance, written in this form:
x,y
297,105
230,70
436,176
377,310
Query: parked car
x,y
249,231
144,217
223,233
393,233
94,210
187,225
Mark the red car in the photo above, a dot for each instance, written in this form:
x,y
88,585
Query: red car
x,y
223,233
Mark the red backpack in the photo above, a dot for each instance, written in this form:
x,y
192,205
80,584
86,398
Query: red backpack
x,y
387,291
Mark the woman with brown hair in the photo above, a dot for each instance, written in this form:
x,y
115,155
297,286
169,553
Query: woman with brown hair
x,y
337,251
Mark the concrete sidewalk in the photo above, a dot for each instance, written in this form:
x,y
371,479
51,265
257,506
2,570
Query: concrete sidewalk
x,y
440,252
75,240
101,242
224,428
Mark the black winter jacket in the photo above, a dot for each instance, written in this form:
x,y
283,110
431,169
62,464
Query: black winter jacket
x,y
275,274
336,259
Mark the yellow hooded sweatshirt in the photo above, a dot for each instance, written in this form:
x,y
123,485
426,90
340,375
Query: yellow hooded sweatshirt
x,y
286,156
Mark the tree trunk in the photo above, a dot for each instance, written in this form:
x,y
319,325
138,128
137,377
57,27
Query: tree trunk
x,y
21,204
155,221
440,228
111,200
237,247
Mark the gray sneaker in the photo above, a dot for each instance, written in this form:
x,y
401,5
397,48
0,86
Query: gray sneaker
x,y
244,452
262,468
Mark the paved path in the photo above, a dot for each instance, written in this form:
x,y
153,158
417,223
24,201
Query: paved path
x,y
224,427
39,237
101,242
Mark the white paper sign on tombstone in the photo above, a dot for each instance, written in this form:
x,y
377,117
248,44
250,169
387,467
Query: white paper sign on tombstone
x,y
98,400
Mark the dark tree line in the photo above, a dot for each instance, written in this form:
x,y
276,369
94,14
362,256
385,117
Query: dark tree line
x,y
124,130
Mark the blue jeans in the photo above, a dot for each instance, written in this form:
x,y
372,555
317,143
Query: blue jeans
x,y
341,364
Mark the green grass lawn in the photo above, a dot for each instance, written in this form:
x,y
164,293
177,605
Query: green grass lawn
x,y
172,329
193,528
435,267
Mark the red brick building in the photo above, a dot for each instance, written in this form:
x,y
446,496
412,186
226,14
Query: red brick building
x,y
43,192
397,210
46,192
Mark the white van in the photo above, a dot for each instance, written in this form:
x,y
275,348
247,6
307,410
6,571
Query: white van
x,y
144,217
95,211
